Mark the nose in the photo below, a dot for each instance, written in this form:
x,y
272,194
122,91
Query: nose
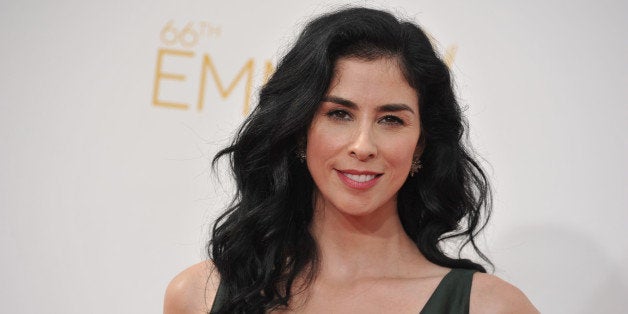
x,y
363,146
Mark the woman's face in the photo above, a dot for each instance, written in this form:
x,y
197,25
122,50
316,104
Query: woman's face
x,y
363,136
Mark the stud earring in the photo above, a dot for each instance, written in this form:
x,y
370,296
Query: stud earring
x,y
301,155
416,165
301,151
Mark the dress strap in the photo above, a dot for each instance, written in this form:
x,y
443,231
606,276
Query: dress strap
x,y
219,299
452,293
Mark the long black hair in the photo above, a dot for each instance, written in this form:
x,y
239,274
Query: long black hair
x,y
262,242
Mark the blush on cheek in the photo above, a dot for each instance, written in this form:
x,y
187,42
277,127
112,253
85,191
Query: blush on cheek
x,y
325,141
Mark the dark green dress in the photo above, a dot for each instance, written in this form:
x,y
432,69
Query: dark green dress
x,y
452,294
450,297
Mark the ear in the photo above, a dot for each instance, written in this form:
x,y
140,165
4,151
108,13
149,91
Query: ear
x,y
420,146
302,142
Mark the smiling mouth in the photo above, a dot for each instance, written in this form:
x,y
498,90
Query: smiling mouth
x,y
360,180
360,177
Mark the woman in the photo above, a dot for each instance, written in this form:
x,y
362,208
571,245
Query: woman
x,y
350,172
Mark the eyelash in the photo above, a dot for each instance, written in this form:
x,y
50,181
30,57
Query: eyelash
x,y
342,115
338,115
393,120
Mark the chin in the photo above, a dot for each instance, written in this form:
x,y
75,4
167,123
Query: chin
x,y
356,211
359,209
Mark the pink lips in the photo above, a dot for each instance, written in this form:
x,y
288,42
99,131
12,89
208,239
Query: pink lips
x,y
360,180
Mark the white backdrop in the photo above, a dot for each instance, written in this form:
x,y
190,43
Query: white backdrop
x,y
105,187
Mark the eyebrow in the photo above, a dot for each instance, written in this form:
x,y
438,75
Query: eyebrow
x,y
383,108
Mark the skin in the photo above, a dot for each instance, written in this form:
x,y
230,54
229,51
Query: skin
x,y
367,124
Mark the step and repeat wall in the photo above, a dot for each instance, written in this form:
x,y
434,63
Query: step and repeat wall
x,y
112,111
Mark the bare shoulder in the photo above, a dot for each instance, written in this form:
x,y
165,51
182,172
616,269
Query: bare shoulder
x,y
193,290
490,294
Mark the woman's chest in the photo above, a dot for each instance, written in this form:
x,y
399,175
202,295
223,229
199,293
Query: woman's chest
x,y
384,296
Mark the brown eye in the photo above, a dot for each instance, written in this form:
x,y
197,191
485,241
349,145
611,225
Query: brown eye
x,y
339,115
392,120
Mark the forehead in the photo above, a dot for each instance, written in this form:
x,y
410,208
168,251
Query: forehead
x,y
376,81
355,65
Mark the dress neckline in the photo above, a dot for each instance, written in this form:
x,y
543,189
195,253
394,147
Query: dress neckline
x,y
451,293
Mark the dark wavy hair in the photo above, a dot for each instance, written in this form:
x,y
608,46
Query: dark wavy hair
x,y
262,243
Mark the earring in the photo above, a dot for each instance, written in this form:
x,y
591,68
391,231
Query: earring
x,y
301,155
301,151
416,165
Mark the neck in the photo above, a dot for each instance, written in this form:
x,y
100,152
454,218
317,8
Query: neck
x,y
369,246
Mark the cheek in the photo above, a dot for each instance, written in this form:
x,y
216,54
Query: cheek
x,y
399,153
323,142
